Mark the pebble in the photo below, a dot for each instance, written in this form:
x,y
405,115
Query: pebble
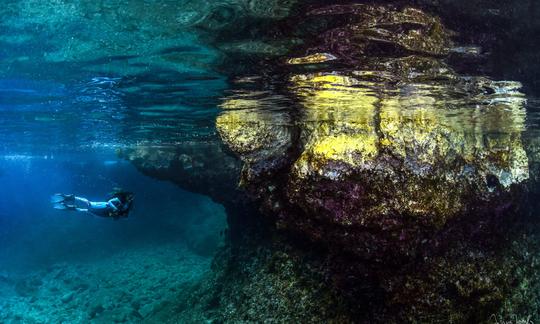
x,y
146,310
67,297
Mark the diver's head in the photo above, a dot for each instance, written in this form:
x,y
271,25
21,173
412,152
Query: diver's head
x,y
123,195
126,198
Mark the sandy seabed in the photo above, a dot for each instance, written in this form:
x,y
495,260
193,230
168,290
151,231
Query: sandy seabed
x,y
130,286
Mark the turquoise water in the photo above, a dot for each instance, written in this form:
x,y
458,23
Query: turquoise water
x,y
78,82
291,161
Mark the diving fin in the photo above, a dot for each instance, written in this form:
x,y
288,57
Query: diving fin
x,y
59,206
57,198
63,202
64,206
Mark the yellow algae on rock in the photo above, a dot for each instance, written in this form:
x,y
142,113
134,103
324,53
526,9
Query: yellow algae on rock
x,y
347,148
407,137
336,99
312,59
433,150
243,129
254,133
428,155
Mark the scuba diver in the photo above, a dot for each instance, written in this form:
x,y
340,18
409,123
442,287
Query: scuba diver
x,y
117,206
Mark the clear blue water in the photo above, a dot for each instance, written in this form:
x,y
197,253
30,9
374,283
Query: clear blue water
x,y
169,228
35,236
78,83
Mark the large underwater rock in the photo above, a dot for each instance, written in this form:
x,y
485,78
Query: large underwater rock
x,y
409,175
191,165
394,186
399,147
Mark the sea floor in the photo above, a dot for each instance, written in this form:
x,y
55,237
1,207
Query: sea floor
x,y
129,286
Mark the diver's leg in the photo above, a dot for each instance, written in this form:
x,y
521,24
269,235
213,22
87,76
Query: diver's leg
x,y
85,203
77,204
70,202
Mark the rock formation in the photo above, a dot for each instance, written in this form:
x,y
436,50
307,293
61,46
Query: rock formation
x,y
382,170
